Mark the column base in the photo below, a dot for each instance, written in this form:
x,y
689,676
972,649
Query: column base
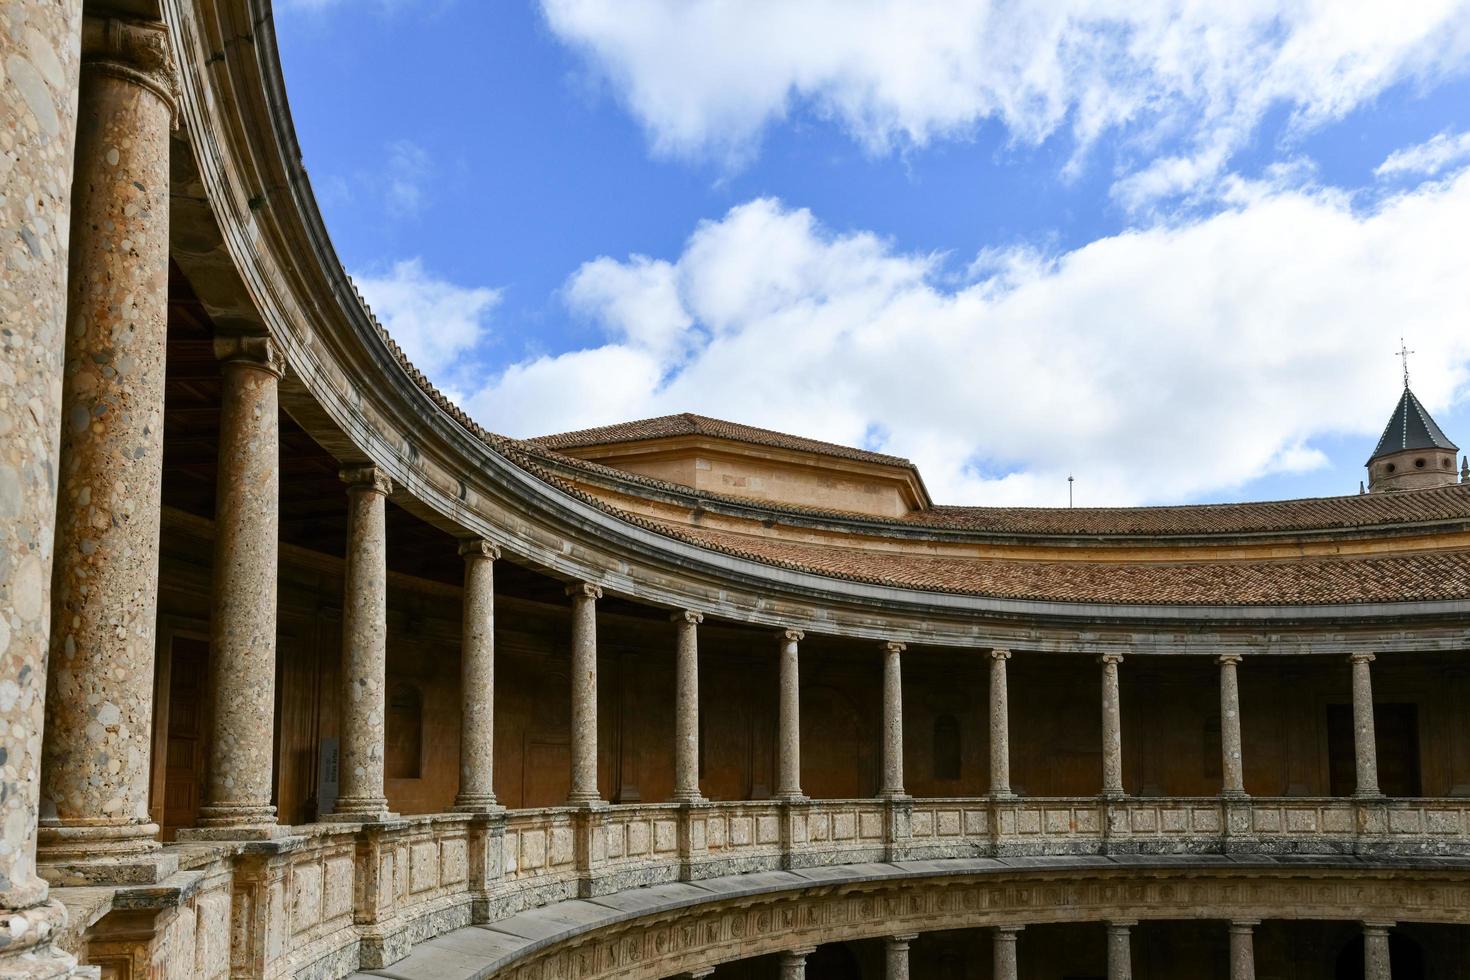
x,y
588,800
76,853
891,795
374,816
1372,796
242,832
1005,796
1235,796
136,869
688,798
791,797
476,805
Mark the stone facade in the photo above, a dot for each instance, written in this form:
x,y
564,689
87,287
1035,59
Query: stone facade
x,y
261,727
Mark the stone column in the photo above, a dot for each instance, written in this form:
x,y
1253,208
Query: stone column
x,y
364,648
1000,727
1232,765
584,692
1112,726
99,702
893,722
242,636
788,737
686,707
1003,947
1120,950
1365,748
38,108
477,679
896,957
1376,964
1242,949
793,963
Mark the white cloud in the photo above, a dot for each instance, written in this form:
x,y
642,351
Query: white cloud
x,y
405,174
1428,158
1162,364
435,321
1186,82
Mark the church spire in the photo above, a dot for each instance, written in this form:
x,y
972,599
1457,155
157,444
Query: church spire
x,y
1413,452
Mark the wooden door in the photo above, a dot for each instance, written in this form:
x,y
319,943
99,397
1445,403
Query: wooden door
x,y
184,753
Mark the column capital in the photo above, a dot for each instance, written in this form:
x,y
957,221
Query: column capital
x,y
1110,658
253,351
584,590
134,50
794,636
894,646
801,951
689,616
1243,925
999,653
907,937
476,549
1009,931
1377,928
1362,658
368,479
1121,925
1228,658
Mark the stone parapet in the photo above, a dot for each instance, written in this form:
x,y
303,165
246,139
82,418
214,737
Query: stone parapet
x,y
329,899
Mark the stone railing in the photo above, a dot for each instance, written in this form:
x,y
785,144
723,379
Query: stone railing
x,y
332,898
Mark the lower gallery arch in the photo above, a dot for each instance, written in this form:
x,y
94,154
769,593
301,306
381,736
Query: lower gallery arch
x,y
680,927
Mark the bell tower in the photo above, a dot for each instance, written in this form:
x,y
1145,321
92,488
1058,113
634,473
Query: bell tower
x,y
1413,453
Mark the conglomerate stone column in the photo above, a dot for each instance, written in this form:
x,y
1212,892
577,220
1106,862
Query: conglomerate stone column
x,y
793,963
686,706
477,679
99,700
1242,949
584,692
1376,964
1365,748
242,637
39,52
1003,951
1112,726
896,957
893,726
1000,726
364,648
1232,766
788,722
1120,950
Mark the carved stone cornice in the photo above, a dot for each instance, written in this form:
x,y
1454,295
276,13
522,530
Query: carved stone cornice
x,y
477,549
133,50
366,479
253,351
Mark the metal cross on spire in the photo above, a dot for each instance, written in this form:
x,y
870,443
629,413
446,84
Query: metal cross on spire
x,y
1404,353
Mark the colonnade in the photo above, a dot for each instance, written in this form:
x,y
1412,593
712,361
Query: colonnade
x,y
1119,952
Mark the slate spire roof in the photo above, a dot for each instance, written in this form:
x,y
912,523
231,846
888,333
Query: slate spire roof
x,y
1410,427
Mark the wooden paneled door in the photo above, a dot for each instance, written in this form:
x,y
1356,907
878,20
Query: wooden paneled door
x,y
180,719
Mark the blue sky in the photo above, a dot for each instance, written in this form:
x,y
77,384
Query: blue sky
x,y
1169,250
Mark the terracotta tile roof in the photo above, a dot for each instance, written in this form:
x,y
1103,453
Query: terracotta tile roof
x,y
1439,504
689,424
1305,581
1396,578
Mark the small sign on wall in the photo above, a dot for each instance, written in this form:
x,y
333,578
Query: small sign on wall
x,y
326,776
